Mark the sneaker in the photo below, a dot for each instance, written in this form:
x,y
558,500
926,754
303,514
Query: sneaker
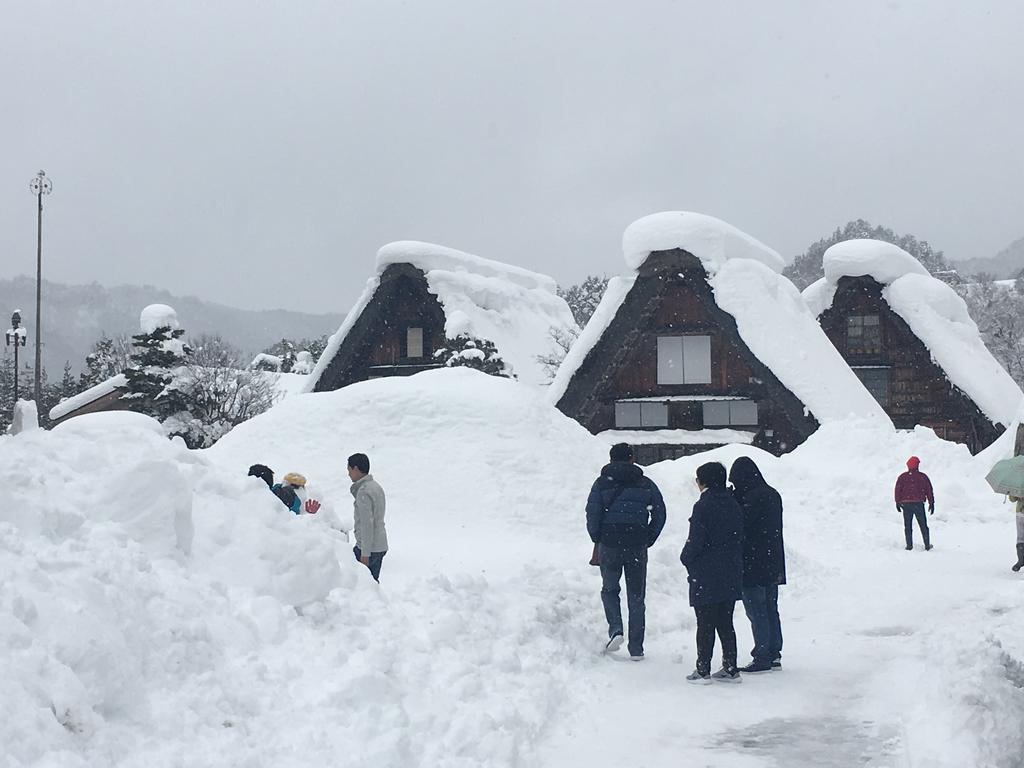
x,y
636,657
927,547
777,665
727,675
756,667
614,643
909,547
698,678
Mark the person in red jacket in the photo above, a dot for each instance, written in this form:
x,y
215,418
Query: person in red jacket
x,y
913,489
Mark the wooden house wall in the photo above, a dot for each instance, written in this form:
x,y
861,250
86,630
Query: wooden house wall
x,y
672,297
109,402
919,390
376,344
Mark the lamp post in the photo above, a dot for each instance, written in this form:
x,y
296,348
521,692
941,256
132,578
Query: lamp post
x,y
17,336
39,186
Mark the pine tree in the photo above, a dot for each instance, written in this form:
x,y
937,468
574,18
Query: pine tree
x,y
151,372
6,391
100,364
470,352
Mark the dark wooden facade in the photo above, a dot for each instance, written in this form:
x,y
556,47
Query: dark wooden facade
x,y
897,368
377,345
671,298
111,401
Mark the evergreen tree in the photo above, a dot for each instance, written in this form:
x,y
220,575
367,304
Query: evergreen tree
x,y
157,354
102,363
6,391
806,268
584,297
470,352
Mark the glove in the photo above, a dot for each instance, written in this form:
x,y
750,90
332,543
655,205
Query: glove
x,y
931,510
594,558
312,507
899,508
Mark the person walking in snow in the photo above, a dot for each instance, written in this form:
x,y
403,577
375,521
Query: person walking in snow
x,y
625,516
713,557
764,562
1020,533
913,489
368,515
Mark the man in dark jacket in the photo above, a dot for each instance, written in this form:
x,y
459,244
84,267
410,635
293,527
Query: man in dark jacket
x,y
713,556
913,489
764,561
625,515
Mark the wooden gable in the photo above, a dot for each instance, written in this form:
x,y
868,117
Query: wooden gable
x,y
671,298
897,367
378,344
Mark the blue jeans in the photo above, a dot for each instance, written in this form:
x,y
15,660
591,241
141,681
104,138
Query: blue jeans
x,y
762,607
376,561
633,563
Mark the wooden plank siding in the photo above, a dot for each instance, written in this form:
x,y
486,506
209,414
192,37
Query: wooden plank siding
x,y
920,393
671,297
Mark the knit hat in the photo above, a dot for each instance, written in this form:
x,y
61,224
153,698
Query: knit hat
x,y
294,478
913,462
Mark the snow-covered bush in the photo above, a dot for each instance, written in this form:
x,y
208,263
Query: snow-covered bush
x,y
470,352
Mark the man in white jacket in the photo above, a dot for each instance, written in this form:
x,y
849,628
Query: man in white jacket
x,y
368,508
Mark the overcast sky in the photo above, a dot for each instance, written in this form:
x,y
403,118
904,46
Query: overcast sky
x,y
258,153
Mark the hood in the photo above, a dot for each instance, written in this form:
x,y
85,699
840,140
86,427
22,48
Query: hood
x,y
745,475
622,472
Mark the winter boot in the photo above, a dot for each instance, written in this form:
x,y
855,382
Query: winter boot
x,y
1020,558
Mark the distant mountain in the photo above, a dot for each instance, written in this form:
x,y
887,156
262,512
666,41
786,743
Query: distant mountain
x,y
1004,265
74,316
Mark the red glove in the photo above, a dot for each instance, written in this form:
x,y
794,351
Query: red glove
x,y
312,506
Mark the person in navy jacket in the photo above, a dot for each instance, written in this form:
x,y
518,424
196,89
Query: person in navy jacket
x,y
625,516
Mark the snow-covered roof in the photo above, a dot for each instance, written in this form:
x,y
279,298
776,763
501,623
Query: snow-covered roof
x,y
512,307
87,396
711,240
935,314
770,314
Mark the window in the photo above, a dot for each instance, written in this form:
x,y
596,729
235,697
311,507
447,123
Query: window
x,y
641,415
730,413
414,342
684,360
863,333
876,381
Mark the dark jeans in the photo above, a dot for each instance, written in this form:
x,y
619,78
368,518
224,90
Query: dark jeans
x,y
376,560
762,607
634,562
712,619
912,509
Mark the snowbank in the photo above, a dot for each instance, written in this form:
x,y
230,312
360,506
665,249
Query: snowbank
x,y
770,314
935,314
512,307
711,240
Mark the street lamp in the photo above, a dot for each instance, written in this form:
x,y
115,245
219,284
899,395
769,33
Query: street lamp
x,y
39,186
17,336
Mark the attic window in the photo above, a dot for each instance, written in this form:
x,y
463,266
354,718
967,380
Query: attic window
x,y
684,360
641,415
875,381
730,413
863,334
414,342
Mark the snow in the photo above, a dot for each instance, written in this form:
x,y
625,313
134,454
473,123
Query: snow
x,y
676,436
935,314
158,316
268,645
87,396
770,314
510,306
271,361
25,417
711,240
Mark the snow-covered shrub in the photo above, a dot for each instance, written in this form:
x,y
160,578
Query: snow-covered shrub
x,y
470,352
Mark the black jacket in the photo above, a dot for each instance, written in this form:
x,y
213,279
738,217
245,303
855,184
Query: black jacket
x,y
764,554
713,553
625,508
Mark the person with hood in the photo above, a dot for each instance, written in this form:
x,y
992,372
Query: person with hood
x,y
368,515
713,557
764,562
625,516
913,489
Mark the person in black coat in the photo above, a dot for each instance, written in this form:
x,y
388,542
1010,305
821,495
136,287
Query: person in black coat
x,y
625,515
713,556
764,561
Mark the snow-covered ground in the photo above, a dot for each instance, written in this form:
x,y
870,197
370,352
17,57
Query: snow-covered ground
x,y
160,608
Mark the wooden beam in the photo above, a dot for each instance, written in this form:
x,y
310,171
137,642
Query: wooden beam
x,y
1018,444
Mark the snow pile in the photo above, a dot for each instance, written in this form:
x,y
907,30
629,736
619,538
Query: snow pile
x,y
770,314
711,240
162,316
935,314
512,307
25,417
